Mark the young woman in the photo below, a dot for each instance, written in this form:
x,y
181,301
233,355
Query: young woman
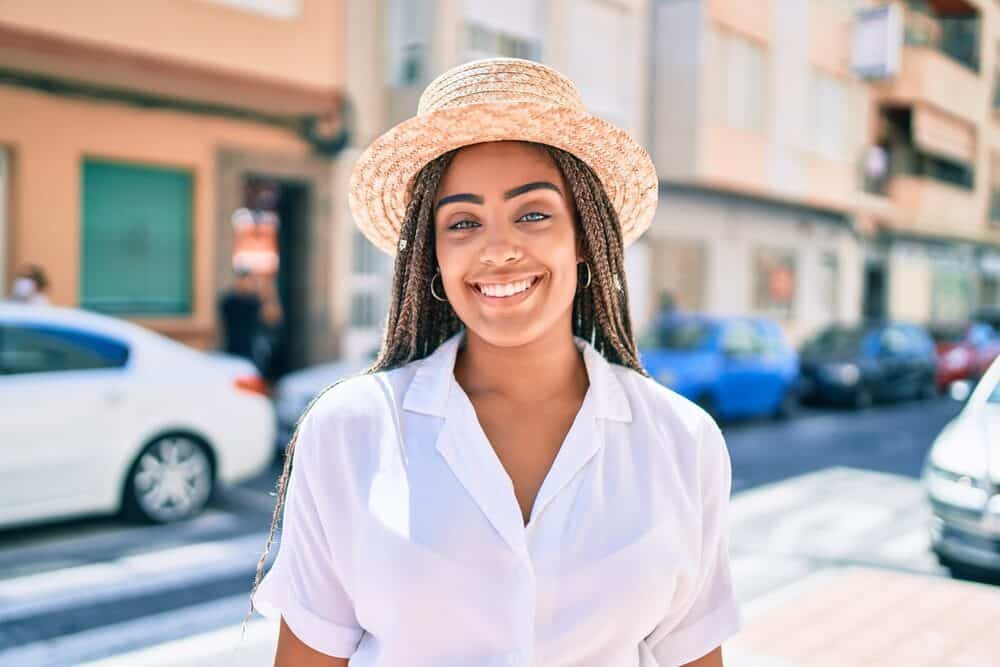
x,y
506,485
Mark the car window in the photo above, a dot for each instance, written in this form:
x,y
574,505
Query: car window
x,y
980,334
741,338
836,340
894,340
677,335
771,338
45,349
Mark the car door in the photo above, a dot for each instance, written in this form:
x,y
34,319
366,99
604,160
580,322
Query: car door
x,y
742,369
775,367
59,387
895,362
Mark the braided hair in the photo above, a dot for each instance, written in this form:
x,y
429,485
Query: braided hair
x,y
418,323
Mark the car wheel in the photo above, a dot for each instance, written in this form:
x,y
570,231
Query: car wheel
x,y
863,398
171,480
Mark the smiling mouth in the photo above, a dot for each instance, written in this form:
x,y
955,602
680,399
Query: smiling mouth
x,y
506,290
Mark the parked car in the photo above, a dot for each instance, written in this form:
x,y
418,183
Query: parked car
x,y
100,415
961,475
861,364
295,391
731,366
964,352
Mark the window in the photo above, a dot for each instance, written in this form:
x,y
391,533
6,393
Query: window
x,y
829,284
483,42
829,115
774,282
600,57
44,349
136,239
995,205
680,276
744,79
370,283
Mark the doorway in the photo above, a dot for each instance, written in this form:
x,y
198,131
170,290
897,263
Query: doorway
x,y
289,201
873,306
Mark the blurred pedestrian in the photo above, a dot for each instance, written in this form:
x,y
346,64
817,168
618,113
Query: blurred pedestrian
x,y
30,284
240,314
506,485
268,344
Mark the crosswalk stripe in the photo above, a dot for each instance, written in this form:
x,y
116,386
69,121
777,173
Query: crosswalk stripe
x,y
154,629
128,576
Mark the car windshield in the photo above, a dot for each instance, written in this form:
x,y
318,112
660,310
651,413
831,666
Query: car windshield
x,y
994,396
677,335
836,340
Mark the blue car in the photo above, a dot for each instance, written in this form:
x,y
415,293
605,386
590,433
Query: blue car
x,y
734,367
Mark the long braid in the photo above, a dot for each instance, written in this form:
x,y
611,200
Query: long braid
x,y
418,323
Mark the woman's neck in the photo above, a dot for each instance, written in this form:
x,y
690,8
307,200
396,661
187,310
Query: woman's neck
x,y
548,368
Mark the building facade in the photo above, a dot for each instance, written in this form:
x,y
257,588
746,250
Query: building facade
x,y
755,138
130,133
929,206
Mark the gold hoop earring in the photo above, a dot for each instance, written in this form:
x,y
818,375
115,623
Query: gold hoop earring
x,y
437,274
587,266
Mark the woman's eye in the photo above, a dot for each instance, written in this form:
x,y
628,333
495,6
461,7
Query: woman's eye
x,y
534,217
463,224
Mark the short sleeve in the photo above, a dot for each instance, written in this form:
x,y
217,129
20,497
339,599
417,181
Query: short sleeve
x,y
306,584
709,614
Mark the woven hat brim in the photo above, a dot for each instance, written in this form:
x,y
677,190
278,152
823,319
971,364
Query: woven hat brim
x,y
381,180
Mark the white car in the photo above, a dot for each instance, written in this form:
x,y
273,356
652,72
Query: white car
x,y
99,415
295,391
962,478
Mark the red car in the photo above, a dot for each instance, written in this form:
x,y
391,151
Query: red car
x,y
964,352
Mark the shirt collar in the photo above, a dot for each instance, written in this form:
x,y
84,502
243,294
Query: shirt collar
x,y
428,392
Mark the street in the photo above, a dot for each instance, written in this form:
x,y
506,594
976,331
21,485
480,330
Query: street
x,y
828,486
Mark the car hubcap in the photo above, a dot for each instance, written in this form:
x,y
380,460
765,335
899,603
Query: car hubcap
x,y
173,479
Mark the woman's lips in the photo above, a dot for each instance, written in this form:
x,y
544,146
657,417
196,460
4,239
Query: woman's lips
x,y
508,300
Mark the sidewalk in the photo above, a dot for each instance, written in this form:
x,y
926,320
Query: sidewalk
x,y
832,570
864,616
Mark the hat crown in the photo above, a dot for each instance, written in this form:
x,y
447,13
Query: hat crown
x,y
499,80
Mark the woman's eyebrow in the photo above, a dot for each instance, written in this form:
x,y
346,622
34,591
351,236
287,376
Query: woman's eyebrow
x,y
510,194
521,189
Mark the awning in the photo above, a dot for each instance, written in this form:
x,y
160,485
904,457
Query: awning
x,y
943,135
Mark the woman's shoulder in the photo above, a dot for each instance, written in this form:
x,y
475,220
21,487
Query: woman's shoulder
x,y
365,397
653,402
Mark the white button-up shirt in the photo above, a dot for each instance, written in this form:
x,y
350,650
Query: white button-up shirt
x,y
403,543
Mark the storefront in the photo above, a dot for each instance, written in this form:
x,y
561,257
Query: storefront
x,y
726,254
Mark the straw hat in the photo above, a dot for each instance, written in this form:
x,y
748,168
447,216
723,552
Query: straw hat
x,y
498,99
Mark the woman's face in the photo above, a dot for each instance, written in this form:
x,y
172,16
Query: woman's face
x,y
506,242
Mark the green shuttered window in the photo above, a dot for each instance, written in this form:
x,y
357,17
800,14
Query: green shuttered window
x,y
137,242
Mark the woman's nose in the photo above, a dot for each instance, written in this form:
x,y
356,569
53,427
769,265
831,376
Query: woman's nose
x,y
500,246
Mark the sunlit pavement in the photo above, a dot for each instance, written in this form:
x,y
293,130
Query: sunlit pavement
x,y
827,493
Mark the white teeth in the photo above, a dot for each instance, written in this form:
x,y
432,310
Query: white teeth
x,y
509,289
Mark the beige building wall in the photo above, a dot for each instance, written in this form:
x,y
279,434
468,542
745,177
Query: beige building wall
x,y
753,140
727,233
221,86
291,43
49,137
